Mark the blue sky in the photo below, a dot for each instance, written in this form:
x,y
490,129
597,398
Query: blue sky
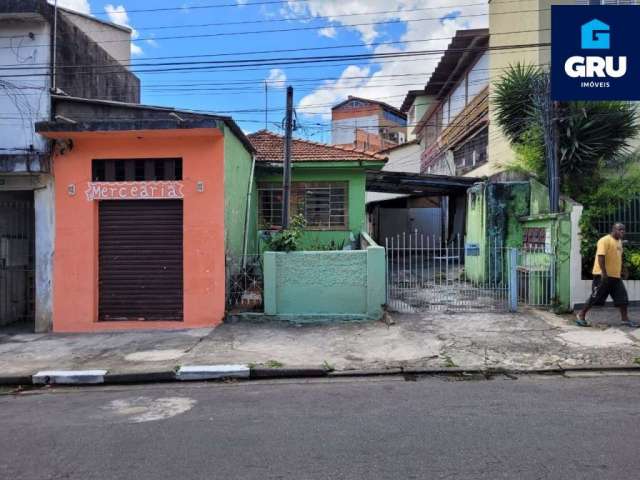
x,y
326,25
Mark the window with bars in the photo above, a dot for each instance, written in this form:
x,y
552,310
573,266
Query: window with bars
x,y
323,204
136,170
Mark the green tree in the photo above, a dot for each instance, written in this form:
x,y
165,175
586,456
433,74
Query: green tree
x,y
592,135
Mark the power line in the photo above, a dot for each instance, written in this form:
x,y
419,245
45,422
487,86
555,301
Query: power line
x,y
292,29
178,66
279,20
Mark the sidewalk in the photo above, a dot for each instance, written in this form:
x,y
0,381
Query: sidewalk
x,y
528,340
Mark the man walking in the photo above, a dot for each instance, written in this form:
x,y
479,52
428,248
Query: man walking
x,y
607,277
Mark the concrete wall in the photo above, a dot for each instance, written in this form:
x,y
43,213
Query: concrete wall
x,y
356,200
325,286
237,173
115,40
343,130
92,80
24,93
417,110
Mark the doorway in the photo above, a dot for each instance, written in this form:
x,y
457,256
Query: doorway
x,y
17,261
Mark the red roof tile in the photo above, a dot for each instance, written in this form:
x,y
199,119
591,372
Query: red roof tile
x,y
270,148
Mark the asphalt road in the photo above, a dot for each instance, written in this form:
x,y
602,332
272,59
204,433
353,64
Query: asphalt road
x,y
529,428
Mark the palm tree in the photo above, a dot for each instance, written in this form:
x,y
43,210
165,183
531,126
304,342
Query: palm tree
x,y
592,135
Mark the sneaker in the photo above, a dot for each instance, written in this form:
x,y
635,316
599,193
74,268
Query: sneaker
x,y
631,323
581,322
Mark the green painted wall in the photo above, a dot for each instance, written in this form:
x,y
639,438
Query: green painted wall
x,y
492,223
237,172
356,178
500,212
539,198
559,226
325,285
475,232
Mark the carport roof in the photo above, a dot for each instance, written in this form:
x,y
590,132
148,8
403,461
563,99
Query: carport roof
x,y
416,184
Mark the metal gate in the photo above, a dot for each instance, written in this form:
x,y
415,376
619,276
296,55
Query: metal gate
x,y
426,274
17,279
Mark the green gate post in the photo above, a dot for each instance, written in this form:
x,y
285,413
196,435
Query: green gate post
x,y
513,280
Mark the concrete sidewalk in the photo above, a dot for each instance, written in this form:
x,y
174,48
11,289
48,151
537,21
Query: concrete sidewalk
x,y
529,340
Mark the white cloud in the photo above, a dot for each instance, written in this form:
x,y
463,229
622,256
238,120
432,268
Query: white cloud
x,y
242,3
429,28
136,51
118,15
81,6
351,80
329,32
277,78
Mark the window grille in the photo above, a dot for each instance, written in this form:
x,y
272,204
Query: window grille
x,y
323,204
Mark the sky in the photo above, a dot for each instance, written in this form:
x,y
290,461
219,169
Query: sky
x,y
240,30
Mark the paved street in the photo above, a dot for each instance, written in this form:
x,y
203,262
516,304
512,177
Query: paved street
x,y
529,428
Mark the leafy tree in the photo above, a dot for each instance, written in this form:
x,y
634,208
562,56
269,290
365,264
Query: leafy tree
x,y
592,135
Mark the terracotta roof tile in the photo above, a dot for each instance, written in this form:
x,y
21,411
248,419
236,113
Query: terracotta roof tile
x,y
270,148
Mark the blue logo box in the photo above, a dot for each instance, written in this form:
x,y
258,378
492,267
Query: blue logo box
x,y
595,52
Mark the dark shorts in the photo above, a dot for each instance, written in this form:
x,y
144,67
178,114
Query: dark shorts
x,y
601,290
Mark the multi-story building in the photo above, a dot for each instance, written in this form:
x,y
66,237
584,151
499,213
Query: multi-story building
x,y
44,50
451,113
520,33
368,125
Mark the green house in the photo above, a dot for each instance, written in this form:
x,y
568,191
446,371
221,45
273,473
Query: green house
x,y
327,187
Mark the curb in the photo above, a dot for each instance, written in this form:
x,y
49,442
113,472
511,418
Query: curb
x,y
140,377
264,373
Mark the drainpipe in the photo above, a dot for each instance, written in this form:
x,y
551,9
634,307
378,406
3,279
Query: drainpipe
x,y
247,211
55,45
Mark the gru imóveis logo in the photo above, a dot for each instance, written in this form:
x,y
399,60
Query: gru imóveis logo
x,y
595,35
592,52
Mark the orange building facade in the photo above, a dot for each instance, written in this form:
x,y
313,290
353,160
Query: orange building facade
x,y
78,201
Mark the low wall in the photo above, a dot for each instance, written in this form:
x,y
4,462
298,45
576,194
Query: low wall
x,y
328,285
581,289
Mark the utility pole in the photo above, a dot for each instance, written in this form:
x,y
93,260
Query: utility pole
x,y
286,174
548,111
554,196
266,106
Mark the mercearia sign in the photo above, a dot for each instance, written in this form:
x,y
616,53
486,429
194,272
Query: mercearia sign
x,y
594,54
134,190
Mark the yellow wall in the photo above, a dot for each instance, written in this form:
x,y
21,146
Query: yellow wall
x,y
513,23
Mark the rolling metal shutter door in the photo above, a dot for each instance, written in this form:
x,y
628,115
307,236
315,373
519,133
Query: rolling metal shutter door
x,y
140,260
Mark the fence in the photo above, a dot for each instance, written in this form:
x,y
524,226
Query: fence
x,y
627,213
245,283
536,277
425,274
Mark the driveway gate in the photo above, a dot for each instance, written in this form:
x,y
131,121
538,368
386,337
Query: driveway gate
x,y
17,288
426,274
